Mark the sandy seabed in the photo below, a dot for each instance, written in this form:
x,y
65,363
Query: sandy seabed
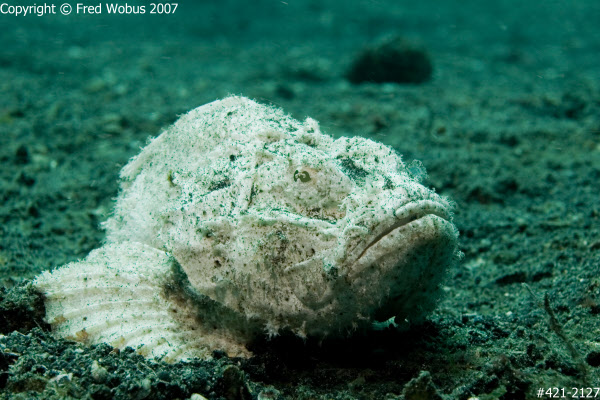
x,y
508,127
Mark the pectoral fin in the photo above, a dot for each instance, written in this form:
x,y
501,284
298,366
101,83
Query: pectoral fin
x,y
119,295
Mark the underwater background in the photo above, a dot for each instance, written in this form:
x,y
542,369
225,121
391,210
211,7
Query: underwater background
x,y
499,100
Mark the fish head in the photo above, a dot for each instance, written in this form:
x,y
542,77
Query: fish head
x,y
358,238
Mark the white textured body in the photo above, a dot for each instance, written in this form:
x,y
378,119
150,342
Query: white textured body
x,y
239,219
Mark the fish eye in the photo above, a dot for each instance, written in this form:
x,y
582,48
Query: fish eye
x,y
304,176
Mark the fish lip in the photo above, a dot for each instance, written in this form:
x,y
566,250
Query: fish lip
x,y
420,208
407,213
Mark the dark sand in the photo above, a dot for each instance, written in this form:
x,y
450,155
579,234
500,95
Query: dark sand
x,y
508,127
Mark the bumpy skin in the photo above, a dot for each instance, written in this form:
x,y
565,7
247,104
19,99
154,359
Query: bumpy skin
x,y
239,219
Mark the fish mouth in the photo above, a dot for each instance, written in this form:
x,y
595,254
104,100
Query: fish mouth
x,y
399,270
404,216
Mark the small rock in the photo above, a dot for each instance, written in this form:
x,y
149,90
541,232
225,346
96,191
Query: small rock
x,y
22,155
99,373
268,394
234,385
421,388
391,60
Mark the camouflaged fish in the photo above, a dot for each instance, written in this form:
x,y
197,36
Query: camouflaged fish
x,y
239,221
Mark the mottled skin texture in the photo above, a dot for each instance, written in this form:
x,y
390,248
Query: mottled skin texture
x,y
239,220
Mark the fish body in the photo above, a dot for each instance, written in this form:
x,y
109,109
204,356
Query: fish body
x,y
239,220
